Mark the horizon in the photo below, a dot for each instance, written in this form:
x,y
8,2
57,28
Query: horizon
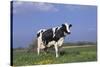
x,y
29,17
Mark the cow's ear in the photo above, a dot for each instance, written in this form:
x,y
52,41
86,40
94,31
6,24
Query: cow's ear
x,y
70,25
63,25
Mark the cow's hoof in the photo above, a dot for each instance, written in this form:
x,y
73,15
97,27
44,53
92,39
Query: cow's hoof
x,y
56,56
62,52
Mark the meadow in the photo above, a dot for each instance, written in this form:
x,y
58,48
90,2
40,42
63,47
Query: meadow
x,y
68,55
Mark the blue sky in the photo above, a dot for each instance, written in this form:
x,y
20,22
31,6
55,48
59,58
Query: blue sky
x,y
29,17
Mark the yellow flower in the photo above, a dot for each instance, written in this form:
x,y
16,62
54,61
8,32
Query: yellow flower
x,y
44,62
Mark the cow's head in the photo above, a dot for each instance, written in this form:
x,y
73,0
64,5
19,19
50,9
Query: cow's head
x,y
66,28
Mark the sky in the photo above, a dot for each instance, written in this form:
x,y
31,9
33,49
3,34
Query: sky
x,y
29,17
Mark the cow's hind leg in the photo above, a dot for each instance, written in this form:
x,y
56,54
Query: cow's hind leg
x,y
38,46
56,49
38,50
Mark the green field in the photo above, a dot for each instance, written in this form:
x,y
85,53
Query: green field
x,y
69,55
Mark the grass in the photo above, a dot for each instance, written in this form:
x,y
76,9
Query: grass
x,y
69,55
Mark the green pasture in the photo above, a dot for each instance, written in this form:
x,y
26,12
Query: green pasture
x,y
68,55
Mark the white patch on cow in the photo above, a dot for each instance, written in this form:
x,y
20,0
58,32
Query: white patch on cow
x,y
51,43
54,31
67,26
60,41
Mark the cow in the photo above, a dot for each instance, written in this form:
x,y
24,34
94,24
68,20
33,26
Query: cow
x,y
52,36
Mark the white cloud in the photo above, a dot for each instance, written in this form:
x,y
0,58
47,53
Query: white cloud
x,y
20,6
45,7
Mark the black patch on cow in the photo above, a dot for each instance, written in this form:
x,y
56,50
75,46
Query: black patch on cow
x,y
47,36
56,29
58,34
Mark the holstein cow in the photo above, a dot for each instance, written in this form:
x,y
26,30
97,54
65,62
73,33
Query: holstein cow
x,y
53,36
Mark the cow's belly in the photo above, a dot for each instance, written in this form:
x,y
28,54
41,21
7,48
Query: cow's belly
x,y
59,42
50,43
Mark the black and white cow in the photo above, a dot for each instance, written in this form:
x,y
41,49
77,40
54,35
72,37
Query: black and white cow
x,y
53,36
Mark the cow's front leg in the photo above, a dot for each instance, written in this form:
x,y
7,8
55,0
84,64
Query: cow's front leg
x,y
38,49
38,45
56,49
